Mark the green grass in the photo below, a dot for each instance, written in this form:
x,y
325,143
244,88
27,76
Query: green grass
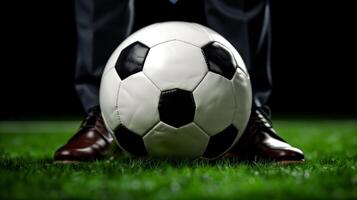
x,y
330,172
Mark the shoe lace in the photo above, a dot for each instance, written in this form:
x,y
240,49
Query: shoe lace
x,y
91,118
261,117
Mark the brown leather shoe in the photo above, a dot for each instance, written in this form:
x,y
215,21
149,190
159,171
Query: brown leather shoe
x,y
91,142
261,142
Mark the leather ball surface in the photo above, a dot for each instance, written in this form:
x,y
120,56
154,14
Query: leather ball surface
x,y
176,89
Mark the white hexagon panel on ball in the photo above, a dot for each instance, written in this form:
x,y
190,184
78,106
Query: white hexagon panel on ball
x,y
175,64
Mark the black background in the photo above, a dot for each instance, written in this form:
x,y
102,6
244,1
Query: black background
x,y
313,60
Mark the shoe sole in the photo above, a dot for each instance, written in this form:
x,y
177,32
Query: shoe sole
x,y
66,162
289,162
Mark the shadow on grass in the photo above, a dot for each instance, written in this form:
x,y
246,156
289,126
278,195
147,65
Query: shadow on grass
x,y
123,162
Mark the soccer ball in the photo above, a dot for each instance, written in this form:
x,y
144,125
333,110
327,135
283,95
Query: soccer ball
x,y
175,89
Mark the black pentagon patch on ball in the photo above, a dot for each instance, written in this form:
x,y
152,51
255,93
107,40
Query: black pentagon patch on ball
x,y
130,141
176,107
131,60
219,60
220,142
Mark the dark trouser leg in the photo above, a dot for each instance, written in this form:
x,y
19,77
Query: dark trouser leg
x,y
101,26
246,24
